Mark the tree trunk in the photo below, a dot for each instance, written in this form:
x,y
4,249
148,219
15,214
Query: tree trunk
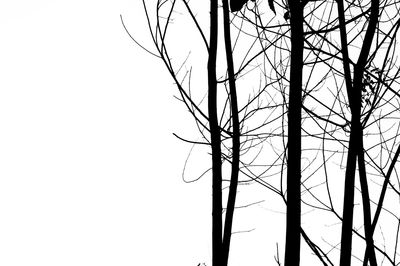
x,y
354,92
348,201
235,136
293,214
215,139
370,250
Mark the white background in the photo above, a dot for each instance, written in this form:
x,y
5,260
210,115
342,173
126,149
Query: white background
x,y
90,173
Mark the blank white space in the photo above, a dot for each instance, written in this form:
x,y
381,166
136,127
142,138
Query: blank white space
x,y
90,173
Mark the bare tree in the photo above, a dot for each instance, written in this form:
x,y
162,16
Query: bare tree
x,y
333,101
222,119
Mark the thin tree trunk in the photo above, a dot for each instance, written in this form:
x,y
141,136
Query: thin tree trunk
x,y
370,250
344,49
293,214
358,86
348,201
354,92
384,188
215,138
235,136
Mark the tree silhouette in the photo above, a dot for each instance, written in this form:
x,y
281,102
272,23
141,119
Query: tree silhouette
x,y
356,148
293,213
215,133
236,5
334,115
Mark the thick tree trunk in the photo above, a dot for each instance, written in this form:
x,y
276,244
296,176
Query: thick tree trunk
x,y
215,139
235,136
293,215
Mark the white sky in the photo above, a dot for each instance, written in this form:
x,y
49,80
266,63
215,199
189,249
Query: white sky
x,y
90,173
89,169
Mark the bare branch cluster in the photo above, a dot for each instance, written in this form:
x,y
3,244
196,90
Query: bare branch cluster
x,y
304,101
